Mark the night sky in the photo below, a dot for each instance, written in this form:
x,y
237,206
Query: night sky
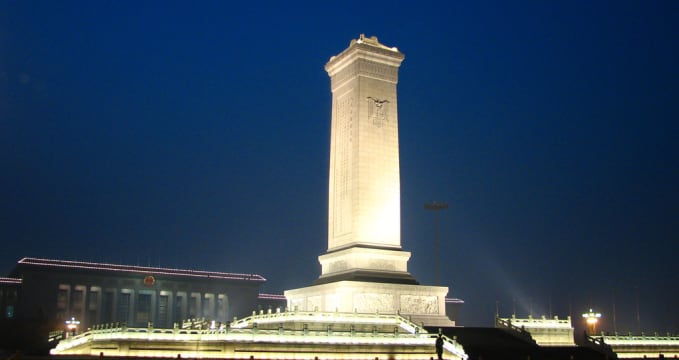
x,y
196,135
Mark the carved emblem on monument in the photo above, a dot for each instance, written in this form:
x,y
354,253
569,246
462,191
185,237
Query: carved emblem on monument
x,y
377,111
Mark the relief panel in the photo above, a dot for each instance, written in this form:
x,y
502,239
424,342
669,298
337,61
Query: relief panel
x,y
419,304
342,222
370,302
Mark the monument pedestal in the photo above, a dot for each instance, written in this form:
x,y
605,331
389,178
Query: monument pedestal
x,y
420,303
365,264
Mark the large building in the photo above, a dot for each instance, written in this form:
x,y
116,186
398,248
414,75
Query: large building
x,y
95,293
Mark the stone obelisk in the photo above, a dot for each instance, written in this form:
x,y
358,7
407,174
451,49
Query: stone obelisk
x,y
364,268
364,219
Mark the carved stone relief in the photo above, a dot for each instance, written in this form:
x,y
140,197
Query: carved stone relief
x,y
370,302
419,304
342,222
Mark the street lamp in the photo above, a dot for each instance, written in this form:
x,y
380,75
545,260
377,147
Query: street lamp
x,y
591,318
72,325
436,207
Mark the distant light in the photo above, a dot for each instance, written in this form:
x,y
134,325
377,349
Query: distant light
x,y
72,324
591,315
591,318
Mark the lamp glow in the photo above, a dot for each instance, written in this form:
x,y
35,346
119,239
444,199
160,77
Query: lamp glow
x,y
72,325
592,318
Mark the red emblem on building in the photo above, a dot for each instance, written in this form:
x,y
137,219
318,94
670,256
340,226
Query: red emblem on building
x,y
149,280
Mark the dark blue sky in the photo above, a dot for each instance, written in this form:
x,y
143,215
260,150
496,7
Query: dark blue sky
x,y
196,135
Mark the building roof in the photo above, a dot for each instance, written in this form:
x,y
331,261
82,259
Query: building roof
x,y
84,265
10,281
264,296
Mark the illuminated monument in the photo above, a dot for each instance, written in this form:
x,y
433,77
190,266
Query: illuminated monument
x,y
365,304
364,269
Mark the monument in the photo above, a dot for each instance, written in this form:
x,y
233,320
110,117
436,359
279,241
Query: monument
x,y
365,270
365,304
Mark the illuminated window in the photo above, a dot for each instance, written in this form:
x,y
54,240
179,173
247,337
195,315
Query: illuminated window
x,y
143,309
161,321
221,308
93,300
179,308
77,297
193,307
123,312
208,306
9,311
107,307
63,301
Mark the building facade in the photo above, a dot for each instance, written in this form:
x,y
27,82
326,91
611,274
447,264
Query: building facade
x,y
9,294
57,291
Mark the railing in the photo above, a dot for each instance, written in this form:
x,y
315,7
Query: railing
x,y
509,325
599,344
55,336
249,334
247,330
542,322
357,318
110,326
630,339
451,345
326,317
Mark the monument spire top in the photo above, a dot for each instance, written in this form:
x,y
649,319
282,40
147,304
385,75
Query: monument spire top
x,y
373,41
366,46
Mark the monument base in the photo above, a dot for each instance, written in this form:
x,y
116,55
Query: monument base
x,y
425,305
360,263
282,335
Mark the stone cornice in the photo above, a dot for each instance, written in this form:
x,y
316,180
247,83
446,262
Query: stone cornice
x,y
367,49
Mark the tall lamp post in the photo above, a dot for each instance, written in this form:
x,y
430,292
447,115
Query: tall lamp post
x,y
436,207
591,318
